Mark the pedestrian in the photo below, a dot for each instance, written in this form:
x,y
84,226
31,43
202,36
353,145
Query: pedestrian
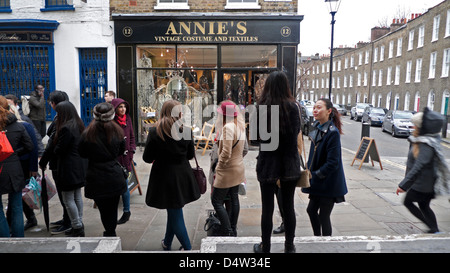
x,y
424,167
101,143
29,163
37,109
281,162
49,158
172,183
328,185
230,171
109,96
12,180
123,118
70,166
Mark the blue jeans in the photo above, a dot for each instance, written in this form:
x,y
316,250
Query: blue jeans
x,y
126,199
15,206
175,226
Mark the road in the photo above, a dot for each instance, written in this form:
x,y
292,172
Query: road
x,y
388,146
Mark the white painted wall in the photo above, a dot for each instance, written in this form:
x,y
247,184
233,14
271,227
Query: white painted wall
x,y
87,26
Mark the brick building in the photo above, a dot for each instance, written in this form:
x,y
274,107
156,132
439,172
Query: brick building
x,y
404,66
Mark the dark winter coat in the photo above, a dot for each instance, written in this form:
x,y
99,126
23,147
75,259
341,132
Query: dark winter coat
x,y
327,171
70,166
11,175
172,183
104,177
37,107
284,162
130,142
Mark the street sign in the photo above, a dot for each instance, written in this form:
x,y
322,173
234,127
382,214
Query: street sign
x,y
367,148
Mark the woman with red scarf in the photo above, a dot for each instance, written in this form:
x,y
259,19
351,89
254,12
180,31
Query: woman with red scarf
x,y
122,117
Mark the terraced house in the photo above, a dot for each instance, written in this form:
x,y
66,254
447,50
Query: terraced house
x,y
404,66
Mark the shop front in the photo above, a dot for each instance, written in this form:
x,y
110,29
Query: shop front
x,y
199,60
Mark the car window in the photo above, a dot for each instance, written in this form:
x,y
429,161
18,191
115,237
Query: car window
x,y
403,115
377,111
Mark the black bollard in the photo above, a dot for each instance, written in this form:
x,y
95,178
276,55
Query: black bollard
x,y
365,130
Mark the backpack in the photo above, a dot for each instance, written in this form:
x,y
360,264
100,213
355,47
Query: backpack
x,y
25,105
5,147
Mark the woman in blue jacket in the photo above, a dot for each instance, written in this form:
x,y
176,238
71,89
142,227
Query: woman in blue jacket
x,y
328,184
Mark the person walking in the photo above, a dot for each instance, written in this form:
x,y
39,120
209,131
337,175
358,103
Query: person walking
x,y
101,143
424,167
37,109
109,96
48,157
12,180
172,183
328,184
70,166
230,171
122,117
279,163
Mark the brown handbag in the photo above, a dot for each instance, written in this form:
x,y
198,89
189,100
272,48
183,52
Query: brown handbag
x,y
305,174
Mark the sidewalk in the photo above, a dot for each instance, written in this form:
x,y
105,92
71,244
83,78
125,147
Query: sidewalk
x,y
372,212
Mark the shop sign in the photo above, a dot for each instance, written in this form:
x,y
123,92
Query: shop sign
x,y
25,37
233,31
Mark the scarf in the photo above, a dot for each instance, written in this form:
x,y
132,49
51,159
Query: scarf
x,y
442,186
122,120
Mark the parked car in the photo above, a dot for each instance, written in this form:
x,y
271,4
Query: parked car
x,y
306,114
398,123
341,109
358,110
373,115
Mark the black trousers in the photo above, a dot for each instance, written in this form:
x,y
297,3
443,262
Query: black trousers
x,y
228,220
423,212
319,211
268,192
108,213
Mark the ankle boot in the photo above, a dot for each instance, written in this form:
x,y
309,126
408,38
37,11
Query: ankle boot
x,y
76,232
125,217
289,248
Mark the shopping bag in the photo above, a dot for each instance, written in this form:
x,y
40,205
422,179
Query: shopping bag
x,y
5,147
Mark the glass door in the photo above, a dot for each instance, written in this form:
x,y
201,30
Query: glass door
x,y
235,87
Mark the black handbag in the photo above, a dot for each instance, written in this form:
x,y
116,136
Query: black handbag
x,y
199,176
212,225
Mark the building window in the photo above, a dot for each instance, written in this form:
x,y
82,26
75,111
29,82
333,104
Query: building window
x,y
418,69
407,98
375,55
380,78
391,49
242,4
389,76
397,75
399,47
55,5
365,78
411,40
5,6
446,62
381,53
374,78
352,61
360,59
366,61
172,5
447,25
431,97
359,79
436,21
432,71
408,71
421,36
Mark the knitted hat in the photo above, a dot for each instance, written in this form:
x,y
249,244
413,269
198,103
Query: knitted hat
x,y
228,109
417,119
104,112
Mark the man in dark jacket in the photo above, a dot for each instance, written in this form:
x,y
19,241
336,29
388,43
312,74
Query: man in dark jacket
x,y
37,109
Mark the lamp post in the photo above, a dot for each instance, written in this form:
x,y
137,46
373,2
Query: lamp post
x,y
333,8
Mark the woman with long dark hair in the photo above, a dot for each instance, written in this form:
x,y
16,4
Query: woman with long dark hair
x,y
71,167
101,143
281,162
172,183
328,185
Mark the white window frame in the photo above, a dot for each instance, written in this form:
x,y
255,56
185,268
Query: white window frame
x,y
365,78
171,6
389,75
382,53
359,79
391,49
411,40
432,71
360,58
375,55
418,70
366,61
350,81
445,63
447,24
397,75
346,63
408,71
374,78
421,37
242,5
380,78
436,22
399,46
352,61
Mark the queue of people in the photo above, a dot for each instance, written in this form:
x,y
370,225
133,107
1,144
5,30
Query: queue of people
x,y
95,158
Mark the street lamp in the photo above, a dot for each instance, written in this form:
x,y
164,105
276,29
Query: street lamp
x,y
333,8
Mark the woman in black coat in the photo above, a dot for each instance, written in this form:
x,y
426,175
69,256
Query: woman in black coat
x,y
71,168
278,158
172,183
328,185
101,143
12,180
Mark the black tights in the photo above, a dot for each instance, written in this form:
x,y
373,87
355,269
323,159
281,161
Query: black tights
x,y
268,191
423,212
108,213
319,211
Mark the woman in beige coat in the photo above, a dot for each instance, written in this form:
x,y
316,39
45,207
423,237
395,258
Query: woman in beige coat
x,y
230,170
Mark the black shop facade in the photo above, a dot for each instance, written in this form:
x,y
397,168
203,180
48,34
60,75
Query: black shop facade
x,y
199,60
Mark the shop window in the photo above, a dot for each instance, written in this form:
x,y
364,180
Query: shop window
x,y
56,5
261,56
5,6
172,5
242,4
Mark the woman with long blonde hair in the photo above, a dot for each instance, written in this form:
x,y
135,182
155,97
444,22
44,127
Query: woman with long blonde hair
x,y
172,183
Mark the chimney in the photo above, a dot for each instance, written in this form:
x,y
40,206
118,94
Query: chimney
x,y
377,32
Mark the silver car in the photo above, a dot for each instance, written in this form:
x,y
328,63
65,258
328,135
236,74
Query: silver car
x,y
398,123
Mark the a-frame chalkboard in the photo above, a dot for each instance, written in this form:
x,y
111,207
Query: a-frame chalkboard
x,y
367,147
133,181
